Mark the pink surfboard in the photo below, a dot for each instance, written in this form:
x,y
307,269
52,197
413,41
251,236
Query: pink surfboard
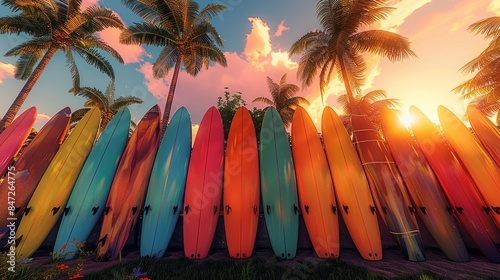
x,y
13,137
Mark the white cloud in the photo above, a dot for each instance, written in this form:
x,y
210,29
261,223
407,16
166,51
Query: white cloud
x,y
494,7
281,27
7,71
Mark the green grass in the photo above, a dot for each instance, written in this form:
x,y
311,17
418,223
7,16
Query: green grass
x,y
182,268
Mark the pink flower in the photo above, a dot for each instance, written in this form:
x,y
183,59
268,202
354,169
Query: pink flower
x,y
76,276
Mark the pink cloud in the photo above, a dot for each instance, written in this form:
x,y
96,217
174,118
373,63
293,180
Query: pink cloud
x,y
88,3
6,71
41,120
281,28
129,53
157,87
258,43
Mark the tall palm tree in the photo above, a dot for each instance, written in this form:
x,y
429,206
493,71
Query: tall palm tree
x,y
55,25
484,87
106,103
185,33
338,48
283,99
369,104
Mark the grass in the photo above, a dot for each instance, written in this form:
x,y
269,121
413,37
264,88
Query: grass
x,y
182,268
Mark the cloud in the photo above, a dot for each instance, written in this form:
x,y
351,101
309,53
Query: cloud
x,y
129,53
41,120
494,7
88,3
258,44
157,87
281,28
6,71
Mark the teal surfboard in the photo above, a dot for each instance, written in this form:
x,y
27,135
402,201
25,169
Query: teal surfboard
x,y
278,186
86,202
166,186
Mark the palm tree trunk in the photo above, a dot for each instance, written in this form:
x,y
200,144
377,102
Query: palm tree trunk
x,y
170,96
347,85
25,91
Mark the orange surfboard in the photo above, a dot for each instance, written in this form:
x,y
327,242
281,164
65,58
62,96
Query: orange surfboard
x,y
129,186
315,186
482,169
351,187
241,186
487,133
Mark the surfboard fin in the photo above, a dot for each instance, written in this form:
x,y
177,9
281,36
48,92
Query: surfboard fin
x,y
334,209
346,209
66,210
26,211
228,209
295,209
215,209
55,210
255,209
186,209
306,207
496,209
175,208
384,209
412,209
268,209
450,209
460,209
19,239
373,209
94,210
102,240
134,210
147,209
423,209
17,210
106,210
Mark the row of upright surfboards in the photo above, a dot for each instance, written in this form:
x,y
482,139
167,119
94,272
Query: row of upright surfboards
x,y
450,180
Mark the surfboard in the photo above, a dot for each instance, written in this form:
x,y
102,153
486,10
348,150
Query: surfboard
x,y
354,197
49,199
315,187
487,133
167,183
13,137
278,186
31,165
388,189
126,195
203,195
241,190
467,205
483,170
86,202
427,195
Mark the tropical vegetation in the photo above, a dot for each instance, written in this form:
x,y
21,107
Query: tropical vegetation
x,y
283,98
338,48
483,89
55,25
106,102
184,32
370,104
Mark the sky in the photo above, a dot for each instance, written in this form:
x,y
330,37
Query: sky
x,y
257,36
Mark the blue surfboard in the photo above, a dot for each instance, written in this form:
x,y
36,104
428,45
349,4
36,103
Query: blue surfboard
x,y
86,202
166,186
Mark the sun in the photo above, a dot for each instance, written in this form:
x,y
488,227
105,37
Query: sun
x,y
406,118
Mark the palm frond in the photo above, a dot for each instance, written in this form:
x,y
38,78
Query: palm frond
x,y
146,34
99,99
210,11
145,10
100,44
25,65
384,43
264,100
73,69
92,57
30,46
490,27
122,102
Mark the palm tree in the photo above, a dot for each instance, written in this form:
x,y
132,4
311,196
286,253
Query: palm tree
x,y
283,99
484,87
185,33
339,46
106,103
369,104
55,25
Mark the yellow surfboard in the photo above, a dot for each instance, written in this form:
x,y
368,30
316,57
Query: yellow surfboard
x,y
49,199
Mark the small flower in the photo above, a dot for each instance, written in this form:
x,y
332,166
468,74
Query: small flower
x,y
145,278
25,260
62,266
136,272
76,276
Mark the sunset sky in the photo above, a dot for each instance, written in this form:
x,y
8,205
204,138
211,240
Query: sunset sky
x,y
257,35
